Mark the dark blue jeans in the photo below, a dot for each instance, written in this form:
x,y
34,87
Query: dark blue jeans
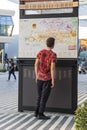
x,y
43,92
11,72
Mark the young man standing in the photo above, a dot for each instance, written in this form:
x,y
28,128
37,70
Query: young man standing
x,y
45,74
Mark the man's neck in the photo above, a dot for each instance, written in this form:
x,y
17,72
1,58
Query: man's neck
x,y
48,48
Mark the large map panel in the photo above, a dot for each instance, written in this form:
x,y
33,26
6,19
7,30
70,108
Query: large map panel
x,y
34,32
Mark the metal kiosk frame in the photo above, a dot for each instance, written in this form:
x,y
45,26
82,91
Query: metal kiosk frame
x,y
63,97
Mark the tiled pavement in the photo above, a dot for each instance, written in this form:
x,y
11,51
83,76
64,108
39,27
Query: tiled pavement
x,y
11,119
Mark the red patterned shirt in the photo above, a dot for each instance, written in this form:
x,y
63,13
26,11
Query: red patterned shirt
x,y
46,57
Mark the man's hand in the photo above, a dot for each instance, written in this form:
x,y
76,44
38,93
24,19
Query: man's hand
x,y
36,68
36,79
52,84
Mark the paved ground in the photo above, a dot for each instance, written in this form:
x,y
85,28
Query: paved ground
x,y
11,119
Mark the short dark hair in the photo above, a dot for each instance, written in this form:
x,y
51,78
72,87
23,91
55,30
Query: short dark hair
x,y
50,42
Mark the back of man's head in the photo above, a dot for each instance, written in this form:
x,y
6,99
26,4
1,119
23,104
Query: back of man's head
x,y
50,42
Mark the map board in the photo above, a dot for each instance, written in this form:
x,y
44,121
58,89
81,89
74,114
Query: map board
x,y
34,32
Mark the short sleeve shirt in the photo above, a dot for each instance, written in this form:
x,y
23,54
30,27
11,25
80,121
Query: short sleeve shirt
x,y
46,57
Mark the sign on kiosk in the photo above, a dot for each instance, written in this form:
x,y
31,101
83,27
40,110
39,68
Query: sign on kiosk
x,y
64,30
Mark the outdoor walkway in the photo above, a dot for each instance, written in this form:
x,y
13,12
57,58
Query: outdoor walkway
x,y
11,119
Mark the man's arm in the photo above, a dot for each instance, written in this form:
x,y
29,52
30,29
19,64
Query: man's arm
x,y
53,73
36,67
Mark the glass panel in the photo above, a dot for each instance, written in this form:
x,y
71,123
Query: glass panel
x,y
48,11
2,30
9,30
6,25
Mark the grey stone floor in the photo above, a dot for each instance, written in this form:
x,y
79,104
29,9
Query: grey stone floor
x,y
11,119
